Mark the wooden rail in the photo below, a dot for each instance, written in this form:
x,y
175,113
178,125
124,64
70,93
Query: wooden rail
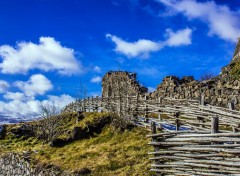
x,y
191,114
209,144
195,152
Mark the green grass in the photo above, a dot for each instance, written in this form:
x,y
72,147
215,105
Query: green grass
x,y
107,153
235,70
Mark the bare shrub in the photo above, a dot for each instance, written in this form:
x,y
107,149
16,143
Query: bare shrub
x,y
47,129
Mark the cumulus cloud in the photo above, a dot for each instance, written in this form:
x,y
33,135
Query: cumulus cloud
x,y
38,84
221,20
143,47
3,86
96,79
181,37
59,101
20,107
16,96
48,55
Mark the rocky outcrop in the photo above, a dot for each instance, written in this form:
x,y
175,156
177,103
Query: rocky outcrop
x,y
12,164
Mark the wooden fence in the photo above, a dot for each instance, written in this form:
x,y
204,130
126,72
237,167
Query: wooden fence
x,y
191,114
196,152
205,140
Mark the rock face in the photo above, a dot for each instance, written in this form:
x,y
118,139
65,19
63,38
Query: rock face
x,y
12,164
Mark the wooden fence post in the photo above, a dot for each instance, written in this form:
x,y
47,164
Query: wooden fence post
x,y
84,105
177,114
214,124
234,130
96,104
155,139
231,106
159,119
159,101
92,104
202,99
135,109
146,109
201,120
153,128
127,103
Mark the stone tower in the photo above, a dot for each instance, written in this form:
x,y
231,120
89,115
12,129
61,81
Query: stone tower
x,y
236,55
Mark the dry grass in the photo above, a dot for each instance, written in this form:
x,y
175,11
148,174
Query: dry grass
x,y
107,153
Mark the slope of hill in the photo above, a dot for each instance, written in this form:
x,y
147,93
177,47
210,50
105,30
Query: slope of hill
x,y
87,145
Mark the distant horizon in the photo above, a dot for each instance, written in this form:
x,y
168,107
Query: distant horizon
x,y
50,49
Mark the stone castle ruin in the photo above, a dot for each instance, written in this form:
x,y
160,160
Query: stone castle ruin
x,y
115,83
220,90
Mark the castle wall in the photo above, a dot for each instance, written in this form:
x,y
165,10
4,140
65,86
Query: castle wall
x,y
217,91
120,82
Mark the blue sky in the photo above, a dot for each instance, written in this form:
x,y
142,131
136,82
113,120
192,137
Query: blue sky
x,y
49,48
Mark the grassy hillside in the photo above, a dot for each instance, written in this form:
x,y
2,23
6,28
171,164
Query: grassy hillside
x,y
105,152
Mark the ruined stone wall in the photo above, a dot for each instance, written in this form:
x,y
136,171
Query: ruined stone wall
x,y
120,82
14,164
217,91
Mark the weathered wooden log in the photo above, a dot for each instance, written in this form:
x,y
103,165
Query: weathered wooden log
x,y
214,126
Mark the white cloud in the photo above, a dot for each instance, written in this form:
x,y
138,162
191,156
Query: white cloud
x,y
38,84
181,37
143,47
96,79
58,101
3,86
17,108
24,108
16,96
221,20
97,69
48,55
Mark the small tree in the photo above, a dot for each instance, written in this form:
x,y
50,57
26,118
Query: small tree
x,y
48,126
